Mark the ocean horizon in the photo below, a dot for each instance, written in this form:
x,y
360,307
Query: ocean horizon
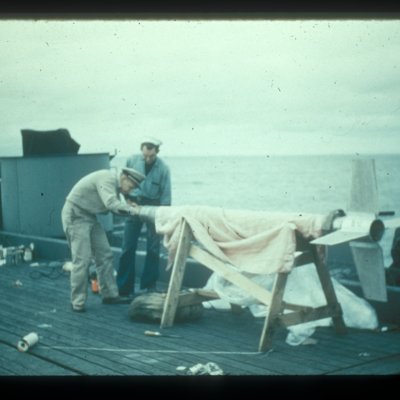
x,y
298,183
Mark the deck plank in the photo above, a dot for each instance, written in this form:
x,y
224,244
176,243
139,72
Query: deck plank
x,y
71,328
104,341
26,364
385,366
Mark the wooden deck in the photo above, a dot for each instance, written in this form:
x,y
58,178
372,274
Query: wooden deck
x,y
104,341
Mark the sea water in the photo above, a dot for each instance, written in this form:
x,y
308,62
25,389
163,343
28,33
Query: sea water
x,y
314,184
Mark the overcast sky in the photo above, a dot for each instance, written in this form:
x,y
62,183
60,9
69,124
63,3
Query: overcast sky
x,y
219,87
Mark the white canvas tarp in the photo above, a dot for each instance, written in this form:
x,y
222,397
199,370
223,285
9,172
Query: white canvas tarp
x,y
253,241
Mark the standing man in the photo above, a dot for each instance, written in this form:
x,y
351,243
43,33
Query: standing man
x,y
155,190
98,192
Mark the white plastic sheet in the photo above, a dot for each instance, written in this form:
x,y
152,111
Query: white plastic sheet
x,y
303,288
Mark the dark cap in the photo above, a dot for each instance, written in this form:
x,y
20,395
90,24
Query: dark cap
x,y
133,175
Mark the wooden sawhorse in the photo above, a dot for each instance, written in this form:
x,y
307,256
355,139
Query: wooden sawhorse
x,y
274,299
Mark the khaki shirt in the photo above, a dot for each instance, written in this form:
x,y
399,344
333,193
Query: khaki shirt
x,y
98,192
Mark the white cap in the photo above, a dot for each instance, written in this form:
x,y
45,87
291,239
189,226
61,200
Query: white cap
x,y
151,140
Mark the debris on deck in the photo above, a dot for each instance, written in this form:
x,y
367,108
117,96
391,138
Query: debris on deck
x,y
27,341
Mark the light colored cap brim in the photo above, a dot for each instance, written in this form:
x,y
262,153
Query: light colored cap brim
x,y
133,175
152,140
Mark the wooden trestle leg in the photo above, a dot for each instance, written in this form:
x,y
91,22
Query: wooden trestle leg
x,y
175,282
329,291
274,310
300,313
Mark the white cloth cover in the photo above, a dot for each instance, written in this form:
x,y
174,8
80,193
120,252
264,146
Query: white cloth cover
x,y
253,241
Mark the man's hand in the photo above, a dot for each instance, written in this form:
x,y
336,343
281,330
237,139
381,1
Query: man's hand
x,y
135,209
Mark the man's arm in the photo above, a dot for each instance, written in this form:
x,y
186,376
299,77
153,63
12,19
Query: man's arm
x,y
166,196
107,193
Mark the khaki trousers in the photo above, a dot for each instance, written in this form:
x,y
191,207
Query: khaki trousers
x,y
87,240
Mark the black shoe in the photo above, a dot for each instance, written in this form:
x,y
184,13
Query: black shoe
x,y
117,300
150,289
78,310
153,290
131,295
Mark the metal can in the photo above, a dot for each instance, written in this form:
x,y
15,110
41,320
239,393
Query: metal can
x,y
95,286
27,341
27,254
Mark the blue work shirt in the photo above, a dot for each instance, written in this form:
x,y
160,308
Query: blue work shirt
x,y
157,185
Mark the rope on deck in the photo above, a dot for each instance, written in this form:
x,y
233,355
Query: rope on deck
x,y
153,351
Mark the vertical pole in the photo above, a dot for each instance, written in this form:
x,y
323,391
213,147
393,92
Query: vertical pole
x,y
175,282
329,291
274,309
